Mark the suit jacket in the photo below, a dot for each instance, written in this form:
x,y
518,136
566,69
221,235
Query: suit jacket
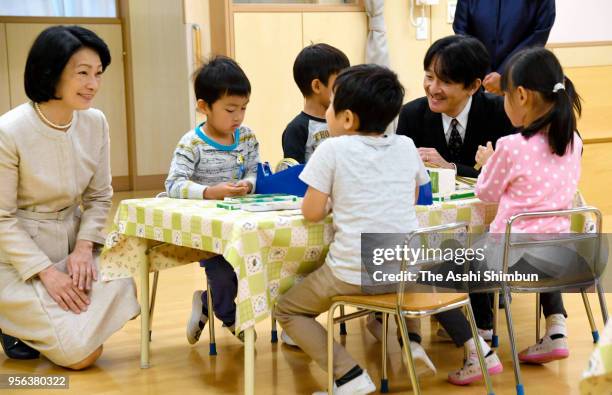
x,y
487,121
505,26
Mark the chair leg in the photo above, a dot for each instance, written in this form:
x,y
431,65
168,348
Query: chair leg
x,y
384,381
515,361
587,307
408,354
342,324
481,357
330,348
538,316
602,303
495,336
273,331
212,345
152,306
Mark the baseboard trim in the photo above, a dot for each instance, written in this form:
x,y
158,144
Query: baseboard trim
x,y
151,182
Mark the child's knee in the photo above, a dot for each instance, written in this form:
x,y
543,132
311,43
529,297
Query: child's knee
x,y
280,312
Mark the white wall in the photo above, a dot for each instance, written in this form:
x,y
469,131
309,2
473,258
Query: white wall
x,y
582,21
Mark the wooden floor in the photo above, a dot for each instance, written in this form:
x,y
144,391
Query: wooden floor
x,y
178,367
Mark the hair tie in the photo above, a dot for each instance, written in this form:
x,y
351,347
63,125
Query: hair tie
x,y
558,87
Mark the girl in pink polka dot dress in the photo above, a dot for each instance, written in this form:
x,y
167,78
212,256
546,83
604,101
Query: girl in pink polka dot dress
x,y
536,169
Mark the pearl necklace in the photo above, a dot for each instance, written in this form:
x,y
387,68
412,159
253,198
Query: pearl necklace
x,y
45,120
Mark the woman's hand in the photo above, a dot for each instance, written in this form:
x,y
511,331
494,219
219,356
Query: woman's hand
x,y
61,288
80,265
484,153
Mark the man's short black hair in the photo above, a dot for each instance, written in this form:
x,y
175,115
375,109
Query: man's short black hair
x,y
219,77
372,92
317,61
458,59
49,55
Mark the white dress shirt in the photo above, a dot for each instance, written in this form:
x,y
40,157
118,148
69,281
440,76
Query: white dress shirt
x,y
462,120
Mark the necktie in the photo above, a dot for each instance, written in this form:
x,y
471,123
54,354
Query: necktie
x,y
454,142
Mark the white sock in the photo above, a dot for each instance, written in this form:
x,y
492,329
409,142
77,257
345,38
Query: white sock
x,y
471,348
555,325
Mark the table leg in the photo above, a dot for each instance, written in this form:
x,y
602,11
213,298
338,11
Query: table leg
x,y
249,360
144,313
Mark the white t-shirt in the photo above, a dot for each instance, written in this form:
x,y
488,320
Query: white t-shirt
x,y
371,182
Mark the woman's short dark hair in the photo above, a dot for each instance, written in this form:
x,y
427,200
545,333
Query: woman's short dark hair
x,y
218,77
372,92
49,55
539,70
317,61
458,59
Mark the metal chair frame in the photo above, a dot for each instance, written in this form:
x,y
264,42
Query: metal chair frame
x,y
505,288
400,313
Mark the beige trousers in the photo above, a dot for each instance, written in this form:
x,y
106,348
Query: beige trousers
x,y
297,309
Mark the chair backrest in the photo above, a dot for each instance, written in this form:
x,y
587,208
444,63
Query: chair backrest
x,y
563,249
459,228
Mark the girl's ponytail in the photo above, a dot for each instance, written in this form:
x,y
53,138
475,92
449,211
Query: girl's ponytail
x,y
538,69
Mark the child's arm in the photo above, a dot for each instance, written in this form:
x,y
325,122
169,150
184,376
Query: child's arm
x,y
294,142
179,184
422,177
495,175
314,206
251,160
319,175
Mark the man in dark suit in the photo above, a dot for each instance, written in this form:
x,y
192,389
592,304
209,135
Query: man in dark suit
x,y
451,121
455,116
504,27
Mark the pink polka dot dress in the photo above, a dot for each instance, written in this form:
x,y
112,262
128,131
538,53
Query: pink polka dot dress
x,y
525,175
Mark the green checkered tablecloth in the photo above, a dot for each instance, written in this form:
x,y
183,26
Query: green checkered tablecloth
x,y
270,251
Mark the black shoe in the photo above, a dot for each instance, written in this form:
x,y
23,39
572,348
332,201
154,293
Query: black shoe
x,y
16,349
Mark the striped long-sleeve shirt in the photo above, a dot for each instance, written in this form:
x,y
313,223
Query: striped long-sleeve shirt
x,y
199,162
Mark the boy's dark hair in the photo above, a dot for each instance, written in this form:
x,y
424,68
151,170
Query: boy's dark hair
x,y
458,59
49,55
218,77
537,69
372,92
317,61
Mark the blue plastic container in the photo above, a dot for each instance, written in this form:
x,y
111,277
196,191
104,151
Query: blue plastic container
x,y
286,181
425,195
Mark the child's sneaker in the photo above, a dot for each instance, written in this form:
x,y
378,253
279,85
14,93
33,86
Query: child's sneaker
x,y
422,364
287,340
471,372
546,350
360,385
197,320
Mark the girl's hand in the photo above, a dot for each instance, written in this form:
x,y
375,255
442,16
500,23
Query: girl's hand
x,y
484,153
80,265
62,289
